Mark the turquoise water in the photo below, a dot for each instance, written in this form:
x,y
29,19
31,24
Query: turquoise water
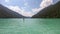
x,y
30,26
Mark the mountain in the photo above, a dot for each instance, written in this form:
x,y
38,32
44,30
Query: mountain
x,y
52,11
7,13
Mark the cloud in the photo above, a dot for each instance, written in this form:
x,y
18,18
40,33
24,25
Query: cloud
x,y
28,14
21,11
35,10
44,3
7,0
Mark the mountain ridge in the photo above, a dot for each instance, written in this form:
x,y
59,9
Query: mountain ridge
x,y
52,11
7,13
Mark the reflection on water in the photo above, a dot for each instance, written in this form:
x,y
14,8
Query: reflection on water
x,y
30,26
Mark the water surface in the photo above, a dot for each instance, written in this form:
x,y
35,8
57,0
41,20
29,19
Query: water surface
x,y
30,26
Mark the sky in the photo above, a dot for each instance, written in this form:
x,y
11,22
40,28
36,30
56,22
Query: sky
x,y
27,8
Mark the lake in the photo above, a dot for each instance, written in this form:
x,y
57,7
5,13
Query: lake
x,y
29,26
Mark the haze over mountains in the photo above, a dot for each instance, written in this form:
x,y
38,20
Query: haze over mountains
x,y
7,13
52,11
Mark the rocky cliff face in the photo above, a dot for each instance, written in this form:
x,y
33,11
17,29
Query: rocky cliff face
x,y
7,13
52,11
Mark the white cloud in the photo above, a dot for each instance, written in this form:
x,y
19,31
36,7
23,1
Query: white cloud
x,y
28,14
44,3
7,0
36,10
21,11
